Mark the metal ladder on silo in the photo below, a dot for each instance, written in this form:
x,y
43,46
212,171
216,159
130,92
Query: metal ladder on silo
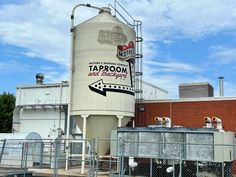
x,y
138,62
137,26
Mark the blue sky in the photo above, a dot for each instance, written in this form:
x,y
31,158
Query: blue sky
x,y
184,41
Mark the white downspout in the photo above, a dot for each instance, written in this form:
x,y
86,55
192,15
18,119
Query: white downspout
x,y
70,90
60,97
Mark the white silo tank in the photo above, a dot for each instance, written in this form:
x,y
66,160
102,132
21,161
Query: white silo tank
x,y
102,91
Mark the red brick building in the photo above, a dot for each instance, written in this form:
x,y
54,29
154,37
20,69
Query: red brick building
x,y
188,112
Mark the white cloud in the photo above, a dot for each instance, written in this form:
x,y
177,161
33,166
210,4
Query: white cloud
x,y
184,18
12,66
223,54
168,75
229,88
41,28
171,67
53,75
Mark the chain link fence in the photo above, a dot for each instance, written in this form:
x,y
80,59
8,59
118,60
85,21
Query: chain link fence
x,y
63,153
138,159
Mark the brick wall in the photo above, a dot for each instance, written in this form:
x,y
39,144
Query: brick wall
x,y
188,114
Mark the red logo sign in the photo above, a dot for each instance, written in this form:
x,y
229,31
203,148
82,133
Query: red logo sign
x,y
126,52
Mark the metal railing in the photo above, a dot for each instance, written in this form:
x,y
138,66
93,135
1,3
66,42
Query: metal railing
x,y
51,154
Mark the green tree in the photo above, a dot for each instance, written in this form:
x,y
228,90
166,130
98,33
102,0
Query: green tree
x,y
7,105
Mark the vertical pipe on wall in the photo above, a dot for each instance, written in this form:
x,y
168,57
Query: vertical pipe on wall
x,y
60,97
70,87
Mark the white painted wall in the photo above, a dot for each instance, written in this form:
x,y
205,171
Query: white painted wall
x,y
152,92
41,121
38,109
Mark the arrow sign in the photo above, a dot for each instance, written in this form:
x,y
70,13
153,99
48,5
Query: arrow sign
x,y
102,88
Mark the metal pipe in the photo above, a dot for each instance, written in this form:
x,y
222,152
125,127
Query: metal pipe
x,y
151,170
221,86
222,169
166,121
170,169
60,97
70,73
218,122
70,89
132,163
159,121
208,122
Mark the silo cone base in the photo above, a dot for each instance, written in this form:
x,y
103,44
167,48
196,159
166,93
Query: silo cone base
x,y
99,127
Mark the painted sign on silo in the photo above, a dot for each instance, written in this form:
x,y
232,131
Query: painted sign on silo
x,y
103,73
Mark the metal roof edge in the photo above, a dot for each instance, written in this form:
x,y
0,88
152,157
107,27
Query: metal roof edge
x,y
189,99
43,85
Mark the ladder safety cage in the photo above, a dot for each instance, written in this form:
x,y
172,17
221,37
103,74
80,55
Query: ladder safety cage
x,y
137,26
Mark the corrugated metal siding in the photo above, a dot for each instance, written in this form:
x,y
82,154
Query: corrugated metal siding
x,y
42,95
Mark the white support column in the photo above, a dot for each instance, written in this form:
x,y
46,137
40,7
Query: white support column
x,y
84,143
119,125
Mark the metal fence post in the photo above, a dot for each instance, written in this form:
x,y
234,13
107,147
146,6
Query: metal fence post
x,y
56,153
97,150
150,167
222,167
110,166
25,157
180,161
122,158
41,154
119,155
92,157
197,169
50,153
3,146
173,168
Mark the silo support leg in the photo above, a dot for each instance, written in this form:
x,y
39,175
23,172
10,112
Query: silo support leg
x,y
84,143
120,120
